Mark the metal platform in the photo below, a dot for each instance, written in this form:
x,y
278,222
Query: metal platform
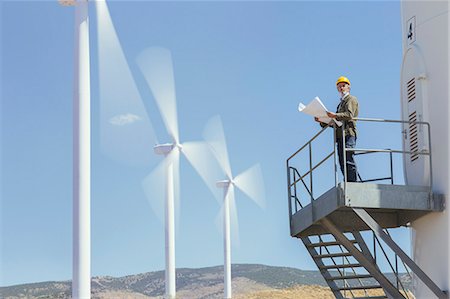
x,y
390,205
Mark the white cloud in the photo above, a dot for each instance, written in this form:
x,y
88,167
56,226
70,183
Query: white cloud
x,y
124,119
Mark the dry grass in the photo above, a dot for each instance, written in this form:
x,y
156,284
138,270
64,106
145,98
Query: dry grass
x,y
119,295
304,291
307,292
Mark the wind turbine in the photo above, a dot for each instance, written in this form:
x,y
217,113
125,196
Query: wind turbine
x,y
250,182
156,66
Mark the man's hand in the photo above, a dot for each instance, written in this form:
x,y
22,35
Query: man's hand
x,y
317,119
331,114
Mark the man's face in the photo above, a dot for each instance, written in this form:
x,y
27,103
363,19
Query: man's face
x,y
343,87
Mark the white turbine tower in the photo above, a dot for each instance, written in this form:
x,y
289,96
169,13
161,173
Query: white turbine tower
x,y
249,182
81,259
156,65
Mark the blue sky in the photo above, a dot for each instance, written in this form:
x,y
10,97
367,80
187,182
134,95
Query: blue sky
x,y
249,62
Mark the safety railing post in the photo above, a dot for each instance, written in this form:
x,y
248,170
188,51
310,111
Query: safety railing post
x,y
344,158
289,192
334,155
431,164
310,173
392,169
396,269
295,193
311,181
374,248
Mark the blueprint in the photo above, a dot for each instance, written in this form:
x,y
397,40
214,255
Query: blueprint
x,y
317,109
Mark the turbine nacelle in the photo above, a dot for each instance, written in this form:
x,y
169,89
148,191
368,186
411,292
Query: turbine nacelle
x,y
166,148
163,149
224,183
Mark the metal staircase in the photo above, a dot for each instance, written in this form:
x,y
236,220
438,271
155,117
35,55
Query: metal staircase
x,y
348,266
331,225
342,272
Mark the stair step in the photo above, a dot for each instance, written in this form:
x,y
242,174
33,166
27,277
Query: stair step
x,y
341,254
353,288
340,266
331,243
372,297
357,276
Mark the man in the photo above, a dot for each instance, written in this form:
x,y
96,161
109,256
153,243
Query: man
x,y
345,112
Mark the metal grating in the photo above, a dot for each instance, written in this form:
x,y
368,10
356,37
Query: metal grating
x,y
411,89
413,136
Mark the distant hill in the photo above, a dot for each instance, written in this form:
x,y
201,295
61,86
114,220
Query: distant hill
x,y
200,283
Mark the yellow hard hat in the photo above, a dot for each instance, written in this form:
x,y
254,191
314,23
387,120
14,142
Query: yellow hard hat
x,y
342,79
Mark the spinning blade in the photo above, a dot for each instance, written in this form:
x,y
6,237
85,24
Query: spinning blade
x,y
200,157
156,65
126,133
154,184
234,222
215,137
252,184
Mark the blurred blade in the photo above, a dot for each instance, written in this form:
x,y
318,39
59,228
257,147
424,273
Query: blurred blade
x,y
154,189
215,137
234,223
219,220
126,134
156,65
174,158
251,182
236,241
203,161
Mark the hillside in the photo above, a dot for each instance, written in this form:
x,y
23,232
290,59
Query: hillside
x,y
249,281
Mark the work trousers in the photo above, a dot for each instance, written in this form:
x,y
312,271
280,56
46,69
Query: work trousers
x,y
350,142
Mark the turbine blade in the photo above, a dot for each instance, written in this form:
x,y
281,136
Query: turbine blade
x,y
251,182
126,134
174,157
234,223
156,65
153,186
236,240
202,160
215,137
218,221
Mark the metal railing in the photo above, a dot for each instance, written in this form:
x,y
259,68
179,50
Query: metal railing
x,y
294,177
395,270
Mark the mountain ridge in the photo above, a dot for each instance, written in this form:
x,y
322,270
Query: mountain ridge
x,y
198,283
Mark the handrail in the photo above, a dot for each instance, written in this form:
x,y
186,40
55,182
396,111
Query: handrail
x,y
300,177
312,169
314,137
421,152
